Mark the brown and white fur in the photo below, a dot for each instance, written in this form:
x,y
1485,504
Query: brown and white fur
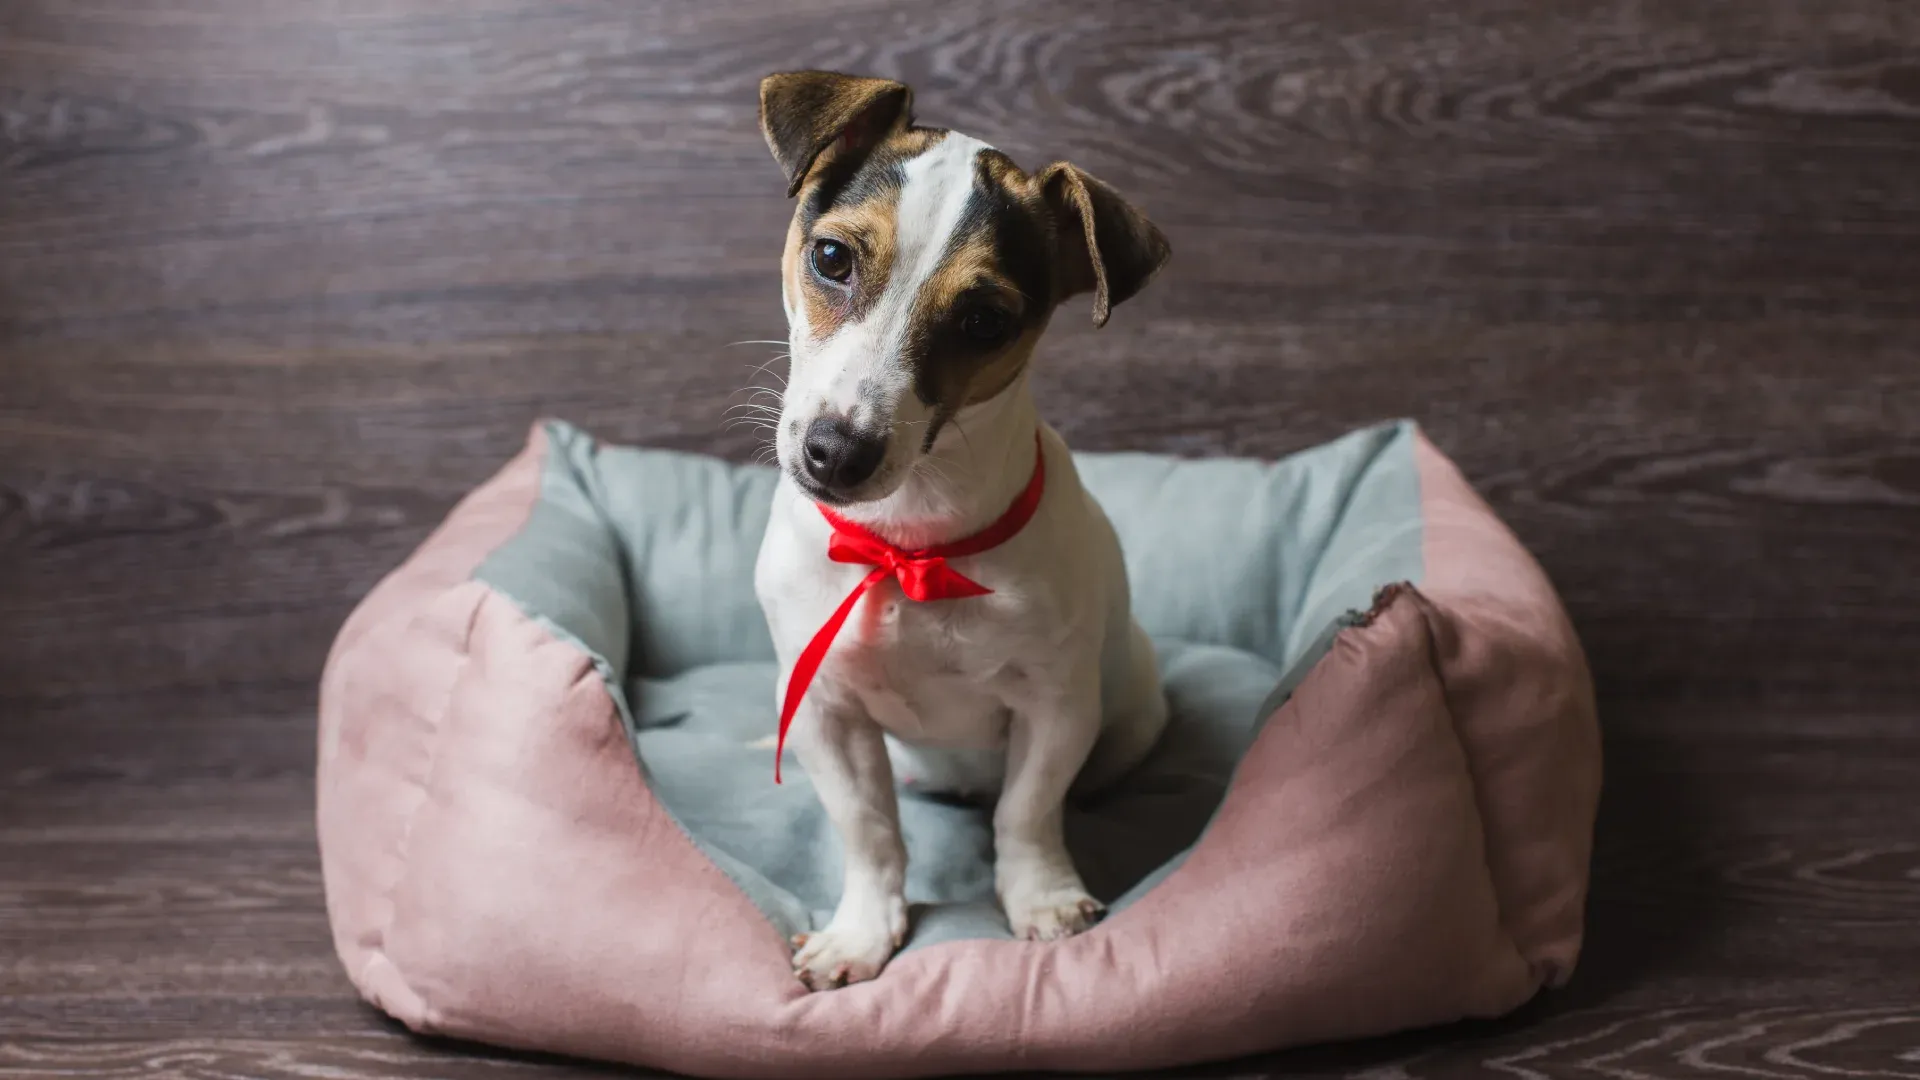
x,y
920,270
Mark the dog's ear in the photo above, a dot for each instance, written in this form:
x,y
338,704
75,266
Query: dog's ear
x,y
1104,243
803,112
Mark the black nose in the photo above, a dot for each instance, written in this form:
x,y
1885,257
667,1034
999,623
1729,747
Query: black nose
x,y
839,458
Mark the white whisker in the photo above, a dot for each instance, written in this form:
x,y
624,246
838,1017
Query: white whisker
x,y
765,369
755,392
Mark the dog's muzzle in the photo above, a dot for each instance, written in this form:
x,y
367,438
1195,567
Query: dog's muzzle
x,y
837,457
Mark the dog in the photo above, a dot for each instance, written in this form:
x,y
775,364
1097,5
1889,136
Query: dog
x,y
919,272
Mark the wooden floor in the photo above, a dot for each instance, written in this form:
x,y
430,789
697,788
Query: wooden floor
x,y
279,281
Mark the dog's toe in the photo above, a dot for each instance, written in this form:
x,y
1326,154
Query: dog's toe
x,y
839,956
1055,916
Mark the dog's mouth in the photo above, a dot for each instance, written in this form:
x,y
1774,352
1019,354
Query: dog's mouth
x,y
874,488
815,490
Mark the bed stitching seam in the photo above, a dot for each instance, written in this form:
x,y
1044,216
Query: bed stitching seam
x,y
1429,611
434,743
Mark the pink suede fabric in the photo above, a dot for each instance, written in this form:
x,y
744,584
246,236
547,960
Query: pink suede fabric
x,y
1522,700
383,700
1405,844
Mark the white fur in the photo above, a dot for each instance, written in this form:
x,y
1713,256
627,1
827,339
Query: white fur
x,y
994,695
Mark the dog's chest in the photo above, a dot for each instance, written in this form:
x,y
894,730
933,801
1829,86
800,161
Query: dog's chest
x,y
936,673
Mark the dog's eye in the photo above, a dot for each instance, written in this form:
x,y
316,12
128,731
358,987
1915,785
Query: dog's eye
x,y
986,326
832,260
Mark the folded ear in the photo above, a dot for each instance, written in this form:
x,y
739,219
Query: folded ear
x,y
803,112
1104,244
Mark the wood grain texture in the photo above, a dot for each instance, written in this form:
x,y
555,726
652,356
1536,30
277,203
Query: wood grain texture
x,y
279,282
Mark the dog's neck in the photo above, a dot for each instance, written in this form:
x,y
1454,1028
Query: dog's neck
x,y
980,462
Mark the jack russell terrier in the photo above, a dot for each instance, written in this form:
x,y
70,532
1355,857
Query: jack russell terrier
x,y
948,604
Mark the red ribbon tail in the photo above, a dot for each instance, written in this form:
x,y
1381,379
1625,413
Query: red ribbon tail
x,y
810,658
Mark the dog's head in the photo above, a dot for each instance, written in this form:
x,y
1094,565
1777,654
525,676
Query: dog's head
x,y
919,271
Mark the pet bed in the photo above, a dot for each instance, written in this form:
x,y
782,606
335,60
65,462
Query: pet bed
x,y
547,817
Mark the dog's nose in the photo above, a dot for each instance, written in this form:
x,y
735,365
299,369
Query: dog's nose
x,y
837,457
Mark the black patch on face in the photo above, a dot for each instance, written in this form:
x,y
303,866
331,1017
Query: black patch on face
x,y
941,414
1022,252
850,179
1020,246
923,354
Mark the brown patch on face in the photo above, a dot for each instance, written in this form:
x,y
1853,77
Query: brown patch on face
x,y
851,198
995,376
970,290
867,230
996,275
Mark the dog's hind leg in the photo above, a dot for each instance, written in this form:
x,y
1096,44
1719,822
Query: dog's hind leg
x,y
1135,717
846,759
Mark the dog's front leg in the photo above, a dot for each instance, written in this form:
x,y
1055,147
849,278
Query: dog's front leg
x,y
845,755
1049,740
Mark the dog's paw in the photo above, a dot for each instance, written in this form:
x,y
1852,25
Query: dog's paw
x,y
842,955
1054,915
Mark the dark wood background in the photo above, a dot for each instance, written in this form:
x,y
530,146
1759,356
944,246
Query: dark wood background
x,y
279,281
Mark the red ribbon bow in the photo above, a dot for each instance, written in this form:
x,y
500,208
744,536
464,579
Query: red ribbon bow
x,y
923,575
